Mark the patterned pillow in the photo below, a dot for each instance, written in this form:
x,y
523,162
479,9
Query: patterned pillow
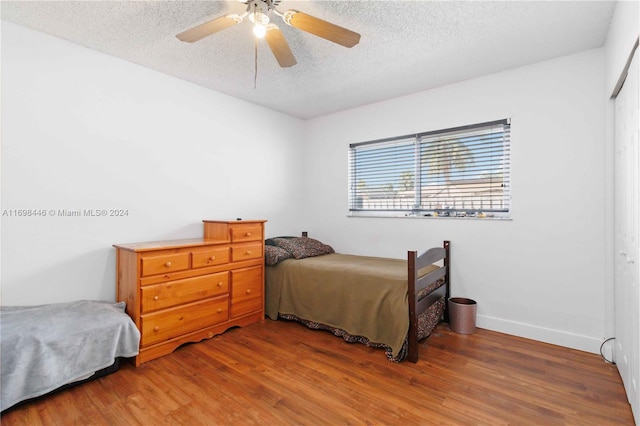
x,y
272,241
301,247
274,255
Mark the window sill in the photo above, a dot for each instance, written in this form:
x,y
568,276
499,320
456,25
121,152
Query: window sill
x,y
403,216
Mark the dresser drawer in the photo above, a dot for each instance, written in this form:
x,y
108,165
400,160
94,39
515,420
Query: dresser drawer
x,y
164,325
246,291
248,232
246,251
211,257
160,296
153,265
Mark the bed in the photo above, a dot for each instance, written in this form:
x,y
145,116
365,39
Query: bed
x,y
49,347
381,302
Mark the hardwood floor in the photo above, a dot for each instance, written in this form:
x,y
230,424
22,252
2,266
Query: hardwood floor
x,y
281,373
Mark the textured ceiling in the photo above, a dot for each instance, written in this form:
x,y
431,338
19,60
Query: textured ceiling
x,y
406,46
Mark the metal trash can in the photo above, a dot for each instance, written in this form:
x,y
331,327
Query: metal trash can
x,y
462,315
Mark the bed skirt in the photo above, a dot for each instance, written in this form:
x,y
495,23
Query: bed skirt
x,y
427,321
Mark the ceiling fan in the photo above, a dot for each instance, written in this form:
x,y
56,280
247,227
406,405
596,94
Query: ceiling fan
x,y
258,12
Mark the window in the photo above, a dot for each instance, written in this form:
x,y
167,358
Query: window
x,y
459,172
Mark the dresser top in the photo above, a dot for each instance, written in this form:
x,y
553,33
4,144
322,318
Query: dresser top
x,y
220,235
168,244
231,222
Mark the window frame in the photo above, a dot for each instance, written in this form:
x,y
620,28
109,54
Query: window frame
x,y
487,144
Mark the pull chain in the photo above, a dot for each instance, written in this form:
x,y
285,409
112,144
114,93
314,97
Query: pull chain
x,y
255,75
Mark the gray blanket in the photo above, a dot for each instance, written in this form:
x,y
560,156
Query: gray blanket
x,y
45,347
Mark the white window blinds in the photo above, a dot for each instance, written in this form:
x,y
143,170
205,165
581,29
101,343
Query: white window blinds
x,y
463,171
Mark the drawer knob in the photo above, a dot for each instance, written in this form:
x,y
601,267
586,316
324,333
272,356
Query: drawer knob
x,y
220,284
167,264
212,258
248,290
248,252
156,328
248,234
156,298
219,310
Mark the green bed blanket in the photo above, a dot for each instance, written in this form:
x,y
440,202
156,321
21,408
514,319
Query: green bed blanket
x,y
365,296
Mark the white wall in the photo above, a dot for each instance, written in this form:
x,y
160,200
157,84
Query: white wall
x,y
540,275
83,130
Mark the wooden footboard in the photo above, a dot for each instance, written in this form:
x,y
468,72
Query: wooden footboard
x,y
417,284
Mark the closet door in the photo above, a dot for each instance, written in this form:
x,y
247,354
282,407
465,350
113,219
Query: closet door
x,y
627,264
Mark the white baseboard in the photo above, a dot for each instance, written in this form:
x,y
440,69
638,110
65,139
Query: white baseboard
x,y
547,335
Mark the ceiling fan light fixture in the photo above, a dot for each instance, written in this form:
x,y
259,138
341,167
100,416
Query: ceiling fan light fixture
x,y
259,30
259,18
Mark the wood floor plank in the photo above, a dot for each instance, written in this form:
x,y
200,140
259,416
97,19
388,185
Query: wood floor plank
x,y
283,373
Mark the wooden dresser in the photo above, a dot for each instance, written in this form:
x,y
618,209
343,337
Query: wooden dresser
x,y
183,291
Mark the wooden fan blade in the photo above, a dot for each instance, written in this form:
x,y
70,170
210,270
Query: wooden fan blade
x,y
279,47
324,29
208,28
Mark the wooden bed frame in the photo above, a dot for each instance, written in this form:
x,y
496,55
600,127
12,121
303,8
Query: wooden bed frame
x,y
417,284
416,307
